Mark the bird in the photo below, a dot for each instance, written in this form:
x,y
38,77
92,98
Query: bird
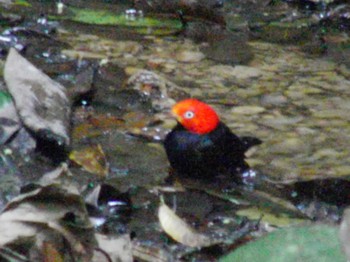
x,y
202,146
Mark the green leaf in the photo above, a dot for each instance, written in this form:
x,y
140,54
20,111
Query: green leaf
x,y
280,220
308,243
23,3
105,17
5,98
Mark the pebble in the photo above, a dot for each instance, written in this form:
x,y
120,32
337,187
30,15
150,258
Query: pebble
x,y
273,100
239,72
189,56
331,113
248,110
290,145
302,130
326,153
280,122
244,72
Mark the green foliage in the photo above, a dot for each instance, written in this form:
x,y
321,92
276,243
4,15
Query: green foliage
x,y
5,98
104,17
22,3
308,244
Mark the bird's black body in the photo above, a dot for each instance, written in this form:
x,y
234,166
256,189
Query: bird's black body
x,y
207,155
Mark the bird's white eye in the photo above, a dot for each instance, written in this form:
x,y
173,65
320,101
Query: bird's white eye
x,y
189,114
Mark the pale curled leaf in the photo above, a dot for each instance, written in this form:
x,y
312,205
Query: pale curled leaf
x,y
51,214
117,248
179,230
143,251
60,176
42,103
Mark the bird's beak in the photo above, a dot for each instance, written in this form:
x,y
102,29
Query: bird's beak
x,y
175,114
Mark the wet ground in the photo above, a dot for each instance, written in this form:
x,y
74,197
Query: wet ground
x,y
278,72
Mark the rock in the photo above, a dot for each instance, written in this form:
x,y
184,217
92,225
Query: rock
x,y
189,56
289,145
280,122
331,113
273,100
248,110
243,72
154,87
239,72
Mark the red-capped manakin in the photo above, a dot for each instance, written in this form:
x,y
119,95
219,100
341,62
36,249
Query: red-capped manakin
x,y
202,146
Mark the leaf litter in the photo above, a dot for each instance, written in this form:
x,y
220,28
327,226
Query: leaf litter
x,y
62,180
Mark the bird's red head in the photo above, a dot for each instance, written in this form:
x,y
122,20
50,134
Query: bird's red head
x,y
196,116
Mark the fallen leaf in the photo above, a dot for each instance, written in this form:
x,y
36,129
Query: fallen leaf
x,y
179,230
117,248
47,214
92,159
50,253
60,176
96,125
148,252
280,220
41,103
9,121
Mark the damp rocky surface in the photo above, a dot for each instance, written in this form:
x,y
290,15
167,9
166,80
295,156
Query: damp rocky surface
x,y
277,70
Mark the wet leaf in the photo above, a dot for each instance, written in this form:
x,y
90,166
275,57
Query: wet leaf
x,y
50,253
105,17
96,125
92,159
41,102
179,230
307,243
47,214
272,203
22,3
62,177
9,121
5,98
279,220
152,253
117,248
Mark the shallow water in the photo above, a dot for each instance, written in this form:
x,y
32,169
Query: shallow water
x,y
295,101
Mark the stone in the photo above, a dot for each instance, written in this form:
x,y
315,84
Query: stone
x,y
248,110
189,56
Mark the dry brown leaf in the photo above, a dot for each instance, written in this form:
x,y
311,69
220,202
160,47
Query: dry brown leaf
x,y
92,159
50,253
179,230
96,125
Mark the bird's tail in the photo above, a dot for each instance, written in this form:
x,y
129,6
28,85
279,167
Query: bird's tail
x,y
249,141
